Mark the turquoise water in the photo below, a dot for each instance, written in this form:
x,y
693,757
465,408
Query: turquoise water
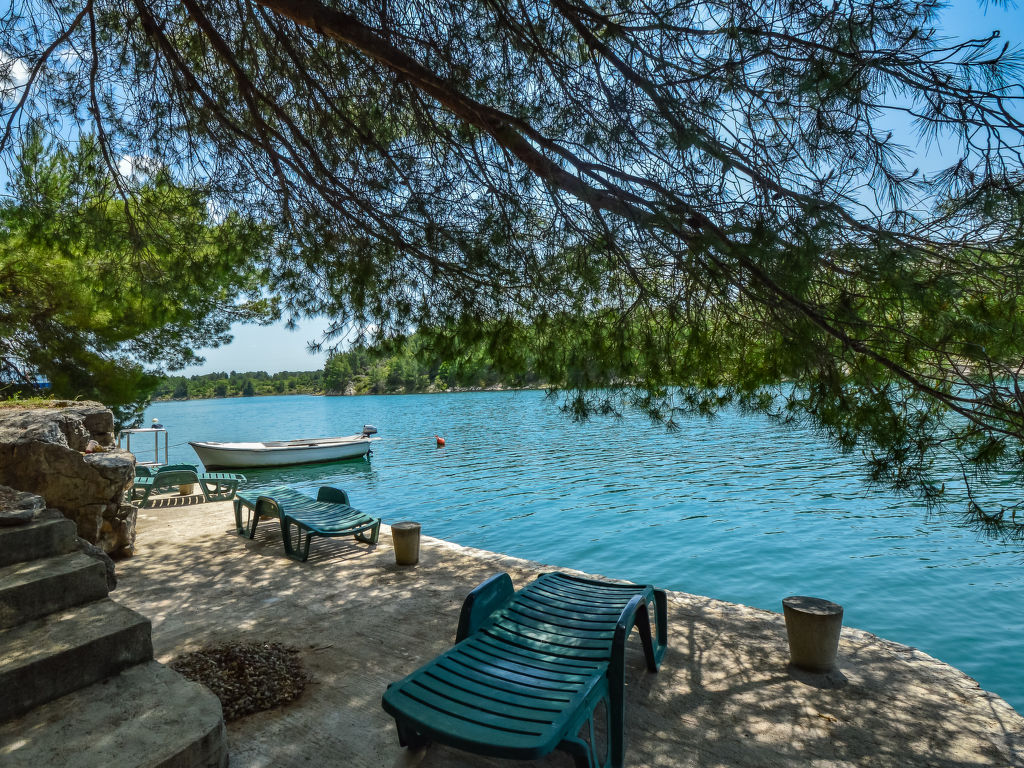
x,y
736,509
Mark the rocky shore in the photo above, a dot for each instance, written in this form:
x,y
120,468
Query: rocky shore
x,y
68,455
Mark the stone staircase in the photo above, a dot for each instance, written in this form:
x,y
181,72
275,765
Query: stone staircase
x,y
78,684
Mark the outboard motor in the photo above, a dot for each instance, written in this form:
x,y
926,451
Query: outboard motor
x,y
369,429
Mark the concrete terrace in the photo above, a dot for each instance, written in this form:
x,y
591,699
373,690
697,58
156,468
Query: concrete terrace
x,y
724,696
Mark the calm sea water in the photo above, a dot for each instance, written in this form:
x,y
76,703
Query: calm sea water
x,y
736,509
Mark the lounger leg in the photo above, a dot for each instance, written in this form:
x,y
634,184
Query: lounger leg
x,y
643,626
217,490
661,619
579,750
585,752
617,729
226,490
286,537
409,737
295,548
239,528
373,535
653,642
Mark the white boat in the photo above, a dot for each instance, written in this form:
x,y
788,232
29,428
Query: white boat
x,y
279,453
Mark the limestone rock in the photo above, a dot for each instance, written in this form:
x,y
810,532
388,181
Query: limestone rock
x,y
41,451
19,507
117,530
95,552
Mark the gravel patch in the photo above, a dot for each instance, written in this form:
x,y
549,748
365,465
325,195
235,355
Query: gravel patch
x,y
246,677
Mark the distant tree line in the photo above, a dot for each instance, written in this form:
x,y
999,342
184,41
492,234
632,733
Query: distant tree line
x,y
235,384
396,369
410,366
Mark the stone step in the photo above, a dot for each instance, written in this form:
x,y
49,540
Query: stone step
x,y
46,658
148,715
51,534
34,589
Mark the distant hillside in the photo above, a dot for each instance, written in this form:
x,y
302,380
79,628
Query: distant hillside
x,y
364,370
235,384
359,371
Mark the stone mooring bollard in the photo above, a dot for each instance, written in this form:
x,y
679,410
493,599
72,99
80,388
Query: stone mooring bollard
x,y
813,626
406,538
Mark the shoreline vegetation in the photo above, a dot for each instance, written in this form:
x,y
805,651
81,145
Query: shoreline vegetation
x,y
359,371
351,393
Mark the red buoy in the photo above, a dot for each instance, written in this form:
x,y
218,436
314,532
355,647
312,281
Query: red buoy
x,y
440,441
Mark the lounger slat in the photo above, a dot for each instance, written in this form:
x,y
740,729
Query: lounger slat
x,y
439,693
456,678
582,589
487,658
473,736
569,625
495,673
547,604
585,653
457,671
535,656
579,645
579,599
465,725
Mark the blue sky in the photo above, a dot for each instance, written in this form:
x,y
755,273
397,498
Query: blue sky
x,y
275,348
271,349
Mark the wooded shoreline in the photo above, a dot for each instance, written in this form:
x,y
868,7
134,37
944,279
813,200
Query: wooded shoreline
x,y
432,391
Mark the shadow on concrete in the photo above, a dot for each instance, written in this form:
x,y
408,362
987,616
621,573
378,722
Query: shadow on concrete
x,y
827,681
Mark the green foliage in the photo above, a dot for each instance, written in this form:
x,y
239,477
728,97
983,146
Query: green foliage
x,y
412,365
98,293
235,384
400,367
675,206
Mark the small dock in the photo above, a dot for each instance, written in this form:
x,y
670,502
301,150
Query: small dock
x,y
724,696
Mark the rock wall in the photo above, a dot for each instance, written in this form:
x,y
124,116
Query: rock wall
x,y
21,508
44,451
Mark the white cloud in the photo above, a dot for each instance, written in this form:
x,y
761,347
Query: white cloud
x,y
69,57
14,74
129,165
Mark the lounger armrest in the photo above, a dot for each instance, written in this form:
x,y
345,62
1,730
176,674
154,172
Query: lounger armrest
x,y
653,629
627,619
333,495
488,597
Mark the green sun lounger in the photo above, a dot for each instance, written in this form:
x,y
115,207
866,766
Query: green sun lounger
x,y
216,486
530,668
330,514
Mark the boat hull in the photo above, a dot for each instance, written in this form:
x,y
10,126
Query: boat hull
x,y
281,454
